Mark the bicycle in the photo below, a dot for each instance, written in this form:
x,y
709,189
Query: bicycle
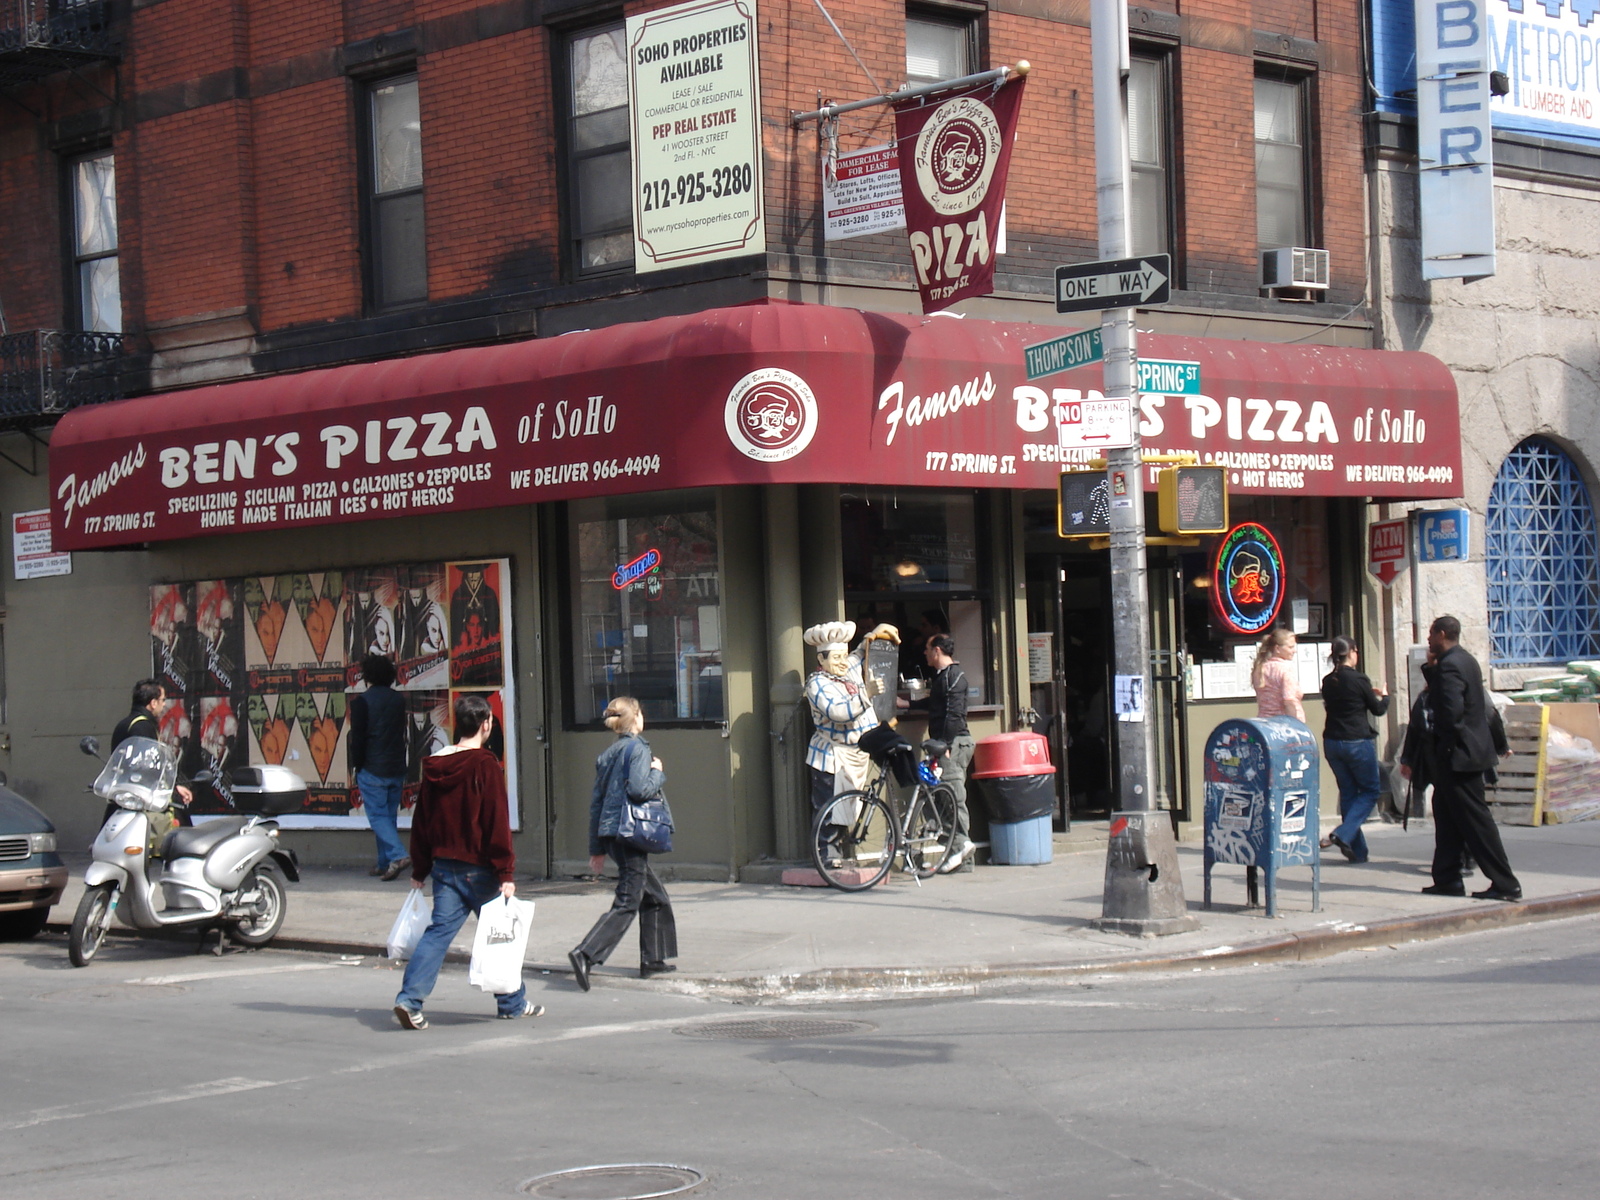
x,y
857,837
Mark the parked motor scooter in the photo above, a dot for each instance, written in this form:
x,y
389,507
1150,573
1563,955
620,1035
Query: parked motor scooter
x,y
226,874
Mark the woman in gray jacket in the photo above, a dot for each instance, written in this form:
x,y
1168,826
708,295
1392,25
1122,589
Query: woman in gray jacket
x,y
626,770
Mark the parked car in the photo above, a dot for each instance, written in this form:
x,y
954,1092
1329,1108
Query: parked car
x,y
32,875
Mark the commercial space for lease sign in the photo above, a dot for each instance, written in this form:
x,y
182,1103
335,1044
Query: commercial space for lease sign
x,y
694,94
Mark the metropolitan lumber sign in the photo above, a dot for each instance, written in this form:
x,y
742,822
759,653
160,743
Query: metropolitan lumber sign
x,y
694,92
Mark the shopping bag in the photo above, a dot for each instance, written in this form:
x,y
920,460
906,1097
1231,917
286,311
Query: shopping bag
x,y
500,944
414,916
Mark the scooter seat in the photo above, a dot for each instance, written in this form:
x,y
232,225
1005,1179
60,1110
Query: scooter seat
x,y
197,841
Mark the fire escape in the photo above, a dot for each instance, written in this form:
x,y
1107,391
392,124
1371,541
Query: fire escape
x,y
45,372
40,38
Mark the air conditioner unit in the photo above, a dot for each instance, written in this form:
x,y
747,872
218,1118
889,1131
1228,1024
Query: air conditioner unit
x,y
1294,267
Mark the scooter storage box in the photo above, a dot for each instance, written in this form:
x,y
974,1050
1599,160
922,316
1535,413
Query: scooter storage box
x,y
269,790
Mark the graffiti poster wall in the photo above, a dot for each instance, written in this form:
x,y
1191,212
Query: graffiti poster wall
x,y
263,669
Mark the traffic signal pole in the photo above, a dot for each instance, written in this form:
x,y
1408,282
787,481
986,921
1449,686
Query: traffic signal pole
x,y
1143,889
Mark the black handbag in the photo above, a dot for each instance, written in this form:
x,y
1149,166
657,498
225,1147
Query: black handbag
x,y
646,825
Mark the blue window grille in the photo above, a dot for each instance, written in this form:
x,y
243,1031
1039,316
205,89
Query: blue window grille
x,y
1542,559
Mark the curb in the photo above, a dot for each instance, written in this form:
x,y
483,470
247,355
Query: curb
x,y
869,983
866,983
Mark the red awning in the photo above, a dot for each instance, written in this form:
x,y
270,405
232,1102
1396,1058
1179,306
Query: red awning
x,y
775,393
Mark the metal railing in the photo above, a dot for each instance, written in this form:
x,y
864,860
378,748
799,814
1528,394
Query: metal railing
x,y
38,38
45,372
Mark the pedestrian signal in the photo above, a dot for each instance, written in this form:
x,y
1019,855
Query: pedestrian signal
x,y
1083,505
1193,500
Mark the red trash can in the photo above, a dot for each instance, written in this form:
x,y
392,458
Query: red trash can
x,y
1019,785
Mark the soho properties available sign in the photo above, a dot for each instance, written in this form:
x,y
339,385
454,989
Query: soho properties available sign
x,y
694,92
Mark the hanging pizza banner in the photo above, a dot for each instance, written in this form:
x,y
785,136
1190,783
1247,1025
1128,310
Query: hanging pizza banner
x,y
1247,579
954,154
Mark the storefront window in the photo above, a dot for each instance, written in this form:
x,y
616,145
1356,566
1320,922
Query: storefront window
x,y
646,606
915,560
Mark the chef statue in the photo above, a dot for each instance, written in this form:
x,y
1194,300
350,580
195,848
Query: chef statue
x,y
840,696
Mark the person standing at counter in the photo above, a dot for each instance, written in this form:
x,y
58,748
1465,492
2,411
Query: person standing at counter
x,y
947,721
1272,676
1351,745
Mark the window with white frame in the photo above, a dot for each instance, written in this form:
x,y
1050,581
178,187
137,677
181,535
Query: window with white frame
x,y
399,247
97,277
939,48
1280,119
1149,123
599,168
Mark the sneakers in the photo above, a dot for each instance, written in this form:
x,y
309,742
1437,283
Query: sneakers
x,y
529,1009
956,857
409,1018
395,869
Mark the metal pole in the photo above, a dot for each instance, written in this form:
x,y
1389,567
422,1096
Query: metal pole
x,y
1144,891
996,75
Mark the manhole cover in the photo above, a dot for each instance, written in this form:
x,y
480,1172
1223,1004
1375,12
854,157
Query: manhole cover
x,y
774,1029
110,992
615,1181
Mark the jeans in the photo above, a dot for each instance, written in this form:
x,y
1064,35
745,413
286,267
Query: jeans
x,y
1354,764
638,891
460,889
381,798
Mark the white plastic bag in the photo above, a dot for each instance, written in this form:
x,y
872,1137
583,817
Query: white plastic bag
x,y
414,916
500,944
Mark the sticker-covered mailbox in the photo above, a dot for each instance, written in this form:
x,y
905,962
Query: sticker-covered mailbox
x,y
1261,801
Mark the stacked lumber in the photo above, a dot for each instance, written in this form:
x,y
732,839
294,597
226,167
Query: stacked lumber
x,y
1572,763
1553,774
1518,796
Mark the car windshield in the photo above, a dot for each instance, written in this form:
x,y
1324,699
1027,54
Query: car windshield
x,y
138,775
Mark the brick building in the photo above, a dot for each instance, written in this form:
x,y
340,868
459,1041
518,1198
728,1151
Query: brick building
x,y
239,196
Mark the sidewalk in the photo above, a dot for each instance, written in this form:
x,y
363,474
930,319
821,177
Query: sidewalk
x,y
994,926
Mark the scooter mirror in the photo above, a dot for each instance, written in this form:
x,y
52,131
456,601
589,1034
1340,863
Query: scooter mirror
x,y
90,746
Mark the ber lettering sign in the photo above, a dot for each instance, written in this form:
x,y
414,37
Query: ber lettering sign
x,y
1455,171
694,88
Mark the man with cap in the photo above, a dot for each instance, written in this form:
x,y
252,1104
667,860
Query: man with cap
x,y
841,709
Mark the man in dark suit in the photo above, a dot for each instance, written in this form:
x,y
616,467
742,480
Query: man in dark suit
x,y
1462,749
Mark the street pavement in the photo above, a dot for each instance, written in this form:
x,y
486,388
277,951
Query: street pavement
x,y
1460,1068
994,927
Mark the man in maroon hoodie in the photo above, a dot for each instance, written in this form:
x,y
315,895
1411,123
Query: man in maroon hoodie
x,y
461,835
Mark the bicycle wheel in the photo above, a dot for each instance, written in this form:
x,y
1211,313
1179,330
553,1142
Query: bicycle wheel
x,y
853,841
925,837
929,829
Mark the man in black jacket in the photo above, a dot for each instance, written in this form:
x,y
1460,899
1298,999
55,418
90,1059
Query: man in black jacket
x,y
947,721
1461,749
378,760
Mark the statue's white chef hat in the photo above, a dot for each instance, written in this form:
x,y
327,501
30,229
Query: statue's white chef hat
x,y
830,636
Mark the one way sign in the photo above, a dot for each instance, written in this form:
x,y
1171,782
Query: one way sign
x,y
1121,283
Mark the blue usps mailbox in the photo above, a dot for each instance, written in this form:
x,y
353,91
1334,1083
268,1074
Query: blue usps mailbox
x,y
1261,802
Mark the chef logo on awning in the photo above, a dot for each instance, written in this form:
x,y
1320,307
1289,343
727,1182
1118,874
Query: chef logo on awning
x,y
956,153
771,415
1247,579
